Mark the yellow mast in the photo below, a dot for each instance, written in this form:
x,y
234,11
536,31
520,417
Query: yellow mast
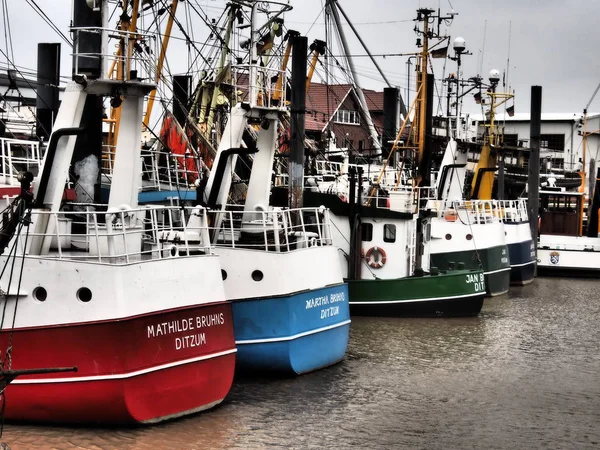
x,y
422,87
122,67
483,179
161,60
416,139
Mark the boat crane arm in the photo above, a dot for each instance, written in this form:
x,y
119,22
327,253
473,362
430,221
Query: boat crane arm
x,y
592,99
318,48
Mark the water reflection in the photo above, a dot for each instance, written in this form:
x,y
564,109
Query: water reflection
x,y
524,374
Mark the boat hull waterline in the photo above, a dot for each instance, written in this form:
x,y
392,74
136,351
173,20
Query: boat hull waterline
x,y
494,261
295,333
454,294
142,369
522,262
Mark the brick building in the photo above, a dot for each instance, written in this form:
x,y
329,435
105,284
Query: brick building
x,y
335,108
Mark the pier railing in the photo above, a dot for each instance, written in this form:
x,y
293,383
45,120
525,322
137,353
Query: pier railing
x,y
123,235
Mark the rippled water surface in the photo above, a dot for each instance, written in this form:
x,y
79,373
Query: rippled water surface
x,y
524,374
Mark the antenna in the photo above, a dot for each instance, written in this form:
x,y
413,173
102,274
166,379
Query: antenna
x,y
508,55
483,47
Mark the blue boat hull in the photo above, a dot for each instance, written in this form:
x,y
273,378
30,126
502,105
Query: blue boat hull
x,y
296,333
522,262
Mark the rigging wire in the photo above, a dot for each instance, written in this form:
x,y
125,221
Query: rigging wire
x,y
46,19
7,30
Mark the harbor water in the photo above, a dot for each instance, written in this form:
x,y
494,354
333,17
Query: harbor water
x,y
525,373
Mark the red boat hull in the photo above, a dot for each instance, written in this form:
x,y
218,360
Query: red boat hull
x,y
141,369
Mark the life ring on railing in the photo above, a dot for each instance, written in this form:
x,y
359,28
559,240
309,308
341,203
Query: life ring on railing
x,y
450,215
173,251
376,257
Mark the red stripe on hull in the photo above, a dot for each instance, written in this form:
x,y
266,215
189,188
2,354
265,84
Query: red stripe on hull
x,y
9,191
141,367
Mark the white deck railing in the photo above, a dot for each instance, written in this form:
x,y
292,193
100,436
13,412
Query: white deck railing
x,y
161,170
513,210
268,91
19,155
471,211
126,51
117,236
279,230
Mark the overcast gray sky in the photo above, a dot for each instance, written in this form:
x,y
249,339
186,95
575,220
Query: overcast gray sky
x,y
552,43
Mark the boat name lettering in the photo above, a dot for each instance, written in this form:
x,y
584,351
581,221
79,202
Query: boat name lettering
x,y
337,297
187,324
330,312
192,340
504,260
475,278
478,281
325,300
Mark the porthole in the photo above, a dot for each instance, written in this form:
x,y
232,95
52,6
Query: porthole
x,y
448,236
257,275
469,236
84,294
40,294
223,274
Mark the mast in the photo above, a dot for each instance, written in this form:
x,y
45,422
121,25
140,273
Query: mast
x,y
161,60
533,192
483,181
298,111
332,6
422,121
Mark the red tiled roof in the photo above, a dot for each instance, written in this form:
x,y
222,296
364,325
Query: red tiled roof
x,y
374,99
321,103
323,100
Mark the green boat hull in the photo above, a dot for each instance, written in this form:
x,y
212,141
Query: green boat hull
x,y
457,293
494,261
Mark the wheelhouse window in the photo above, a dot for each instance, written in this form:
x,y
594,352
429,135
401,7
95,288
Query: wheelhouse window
x,y
367,232
349,117
511,140
389,233
554,142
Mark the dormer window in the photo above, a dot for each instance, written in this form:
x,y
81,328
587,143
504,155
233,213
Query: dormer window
x,y
348,117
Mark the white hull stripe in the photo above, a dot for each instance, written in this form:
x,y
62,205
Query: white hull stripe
x,y
569,267
295,336
496,271
414,300
122,376
568,250
524,264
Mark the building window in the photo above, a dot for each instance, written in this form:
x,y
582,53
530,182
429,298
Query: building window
x,y
345,116
553,142
389,233
360,144
367,232
557,163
